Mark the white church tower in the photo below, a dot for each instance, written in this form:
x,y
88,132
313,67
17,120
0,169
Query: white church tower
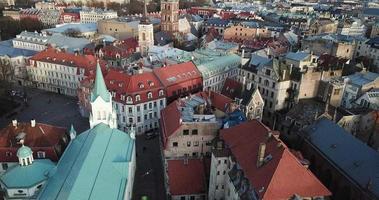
x,y
145,33
101,103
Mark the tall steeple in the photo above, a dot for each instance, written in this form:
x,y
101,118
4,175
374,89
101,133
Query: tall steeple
x,y
102,110
145,19
99,89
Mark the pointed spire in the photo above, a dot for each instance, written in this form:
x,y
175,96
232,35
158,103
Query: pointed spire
x,y
99,89
72,132
145,19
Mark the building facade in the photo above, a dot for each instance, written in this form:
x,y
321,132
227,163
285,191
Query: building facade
x,y
120,28
170,16
61,72
92,16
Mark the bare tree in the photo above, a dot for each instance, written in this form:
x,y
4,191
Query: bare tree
x,y
6,70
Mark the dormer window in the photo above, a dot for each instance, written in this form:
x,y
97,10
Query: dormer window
x,y
140,85
129,99
138,97
149,95
161,93
151,83
122,97
40,154
111,82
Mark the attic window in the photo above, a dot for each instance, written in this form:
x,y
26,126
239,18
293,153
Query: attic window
x,y
112,82
140,85
149,95
138,97
120,85
151,83
161,93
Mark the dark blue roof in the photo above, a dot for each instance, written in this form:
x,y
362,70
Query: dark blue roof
x,y
217,22
234,118
353,157
6,48
371,11
374,42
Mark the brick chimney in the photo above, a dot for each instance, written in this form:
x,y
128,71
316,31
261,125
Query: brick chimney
x,y
261,154
33,123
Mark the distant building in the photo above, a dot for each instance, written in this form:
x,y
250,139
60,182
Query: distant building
x,y
39,41
356,85
357,28
46,141
189,125
45,5
170,16
94,15
145,33
349,176
58,71
118,53
255,164
246,31
120,28
321,26
87,30
370,49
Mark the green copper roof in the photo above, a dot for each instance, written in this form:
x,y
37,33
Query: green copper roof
x,y
94,166
99,89
27,176
24,152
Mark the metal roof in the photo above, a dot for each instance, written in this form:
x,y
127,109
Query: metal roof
x,y
95,165
353,157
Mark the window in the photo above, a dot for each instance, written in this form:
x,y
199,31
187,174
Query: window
x,y
145,117
138,108
161,93
8,154
188,143
145,106
196,143
185,132
40,154
5,166
194,132
130,120
183,198
175,144
138,97
161,102
138,119
130,110
150,105
273,85
149,95
268,72
155,104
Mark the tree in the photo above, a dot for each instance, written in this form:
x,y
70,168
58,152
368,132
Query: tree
x,y
6,70
72,32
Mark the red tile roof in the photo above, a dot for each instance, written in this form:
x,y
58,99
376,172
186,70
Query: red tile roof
x,y
281,177
52,55
186,179
132,85
231,88
41,136
174,74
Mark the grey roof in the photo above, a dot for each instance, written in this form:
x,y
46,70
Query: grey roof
x,y
363,78
298,56
88,27
371,11
7,49
217,22
353,157
72,44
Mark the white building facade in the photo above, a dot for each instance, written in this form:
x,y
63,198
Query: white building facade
x,y
92,16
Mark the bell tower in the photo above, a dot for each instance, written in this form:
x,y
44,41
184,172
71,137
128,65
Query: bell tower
x,y
145,33
170,16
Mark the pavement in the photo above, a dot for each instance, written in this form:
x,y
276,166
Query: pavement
x,y
49,108
149,177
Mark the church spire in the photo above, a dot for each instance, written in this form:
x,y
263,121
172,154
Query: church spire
x,y
145,19
99,89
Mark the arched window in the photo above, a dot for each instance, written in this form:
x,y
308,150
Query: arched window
x,y
129,98
138,97
143,36
149,95
161,93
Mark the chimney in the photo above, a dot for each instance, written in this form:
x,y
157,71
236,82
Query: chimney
x,y
284,74
261,154
14,122
33,123
291,67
